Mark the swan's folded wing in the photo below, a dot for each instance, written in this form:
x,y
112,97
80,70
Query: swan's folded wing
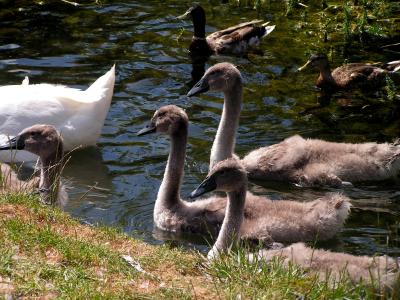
x,y
22,106
40,94
16,115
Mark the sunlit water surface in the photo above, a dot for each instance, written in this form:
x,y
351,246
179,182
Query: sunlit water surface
x,y
116,182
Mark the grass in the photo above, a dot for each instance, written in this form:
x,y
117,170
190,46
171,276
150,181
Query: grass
x,y
391,89
369,22
47,254
347,30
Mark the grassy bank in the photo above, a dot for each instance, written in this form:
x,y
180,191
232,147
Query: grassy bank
x,y
45,253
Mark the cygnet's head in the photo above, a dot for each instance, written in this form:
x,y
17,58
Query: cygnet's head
x,y
42,140
221,77
168,120
318,60
226,176
194,12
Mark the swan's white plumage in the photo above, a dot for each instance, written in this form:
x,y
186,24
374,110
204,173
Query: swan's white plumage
x,y
78,115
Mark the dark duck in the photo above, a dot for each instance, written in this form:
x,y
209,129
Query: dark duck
x,y
234,40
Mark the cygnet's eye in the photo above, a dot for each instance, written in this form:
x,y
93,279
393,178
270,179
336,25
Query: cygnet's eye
x,y
162,114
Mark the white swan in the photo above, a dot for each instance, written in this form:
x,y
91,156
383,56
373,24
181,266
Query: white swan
x,y
229,176
306,162
78,115
263,218
46,142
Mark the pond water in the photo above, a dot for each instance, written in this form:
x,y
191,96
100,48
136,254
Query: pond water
x,y
74,46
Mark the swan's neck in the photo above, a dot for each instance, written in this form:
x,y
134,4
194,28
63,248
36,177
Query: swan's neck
x,y
225,139
199,24
169,192
234,215
50,171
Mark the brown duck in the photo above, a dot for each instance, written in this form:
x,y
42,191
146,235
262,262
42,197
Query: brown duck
x,y
233,40
355,75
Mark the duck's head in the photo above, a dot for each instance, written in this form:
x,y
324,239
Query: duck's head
x,y
194,12
319,60
42,140
226,176
168,120
221,77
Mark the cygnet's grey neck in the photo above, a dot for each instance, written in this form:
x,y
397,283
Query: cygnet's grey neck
x,y
234,214
169,192
50,176
225,139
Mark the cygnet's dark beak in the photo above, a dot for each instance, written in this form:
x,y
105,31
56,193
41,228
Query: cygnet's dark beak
x,y
200,87
206,186
16,143
150,128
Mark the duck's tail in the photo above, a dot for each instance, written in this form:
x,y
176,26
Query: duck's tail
x,y
392,66
268,29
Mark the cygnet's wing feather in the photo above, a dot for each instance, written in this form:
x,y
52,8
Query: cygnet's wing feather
x,y
333,265
292,221
277,159
212,209
9,181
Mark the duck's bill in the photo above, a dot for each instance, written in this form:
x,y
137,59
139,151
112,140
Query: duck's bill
x,y
13,144
199,88
150,128
206,186
305,66
184,16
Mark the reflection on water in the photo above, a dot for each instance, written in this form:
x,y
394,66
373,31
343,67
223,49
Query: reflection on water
x,y
116,183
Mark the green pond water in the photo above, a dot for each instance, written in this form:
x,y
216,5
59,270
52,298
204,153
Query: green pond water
x,y
59,43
